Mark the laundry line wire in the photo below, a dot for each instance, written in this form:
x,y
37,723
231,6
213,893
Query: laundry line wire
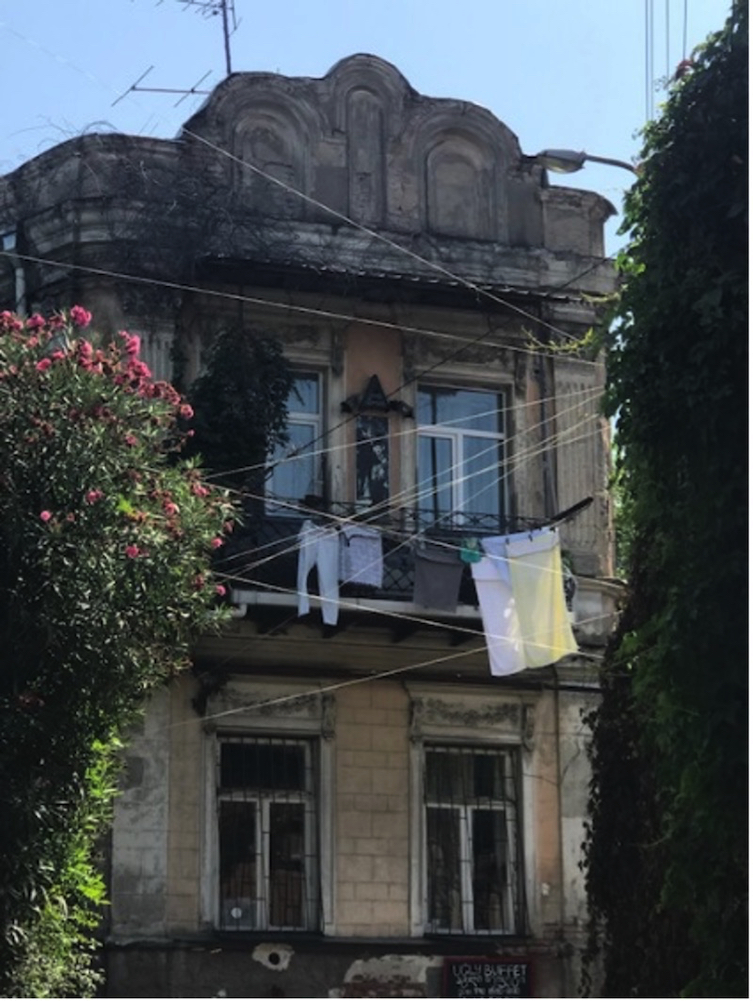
x,y
351,682
369,516
404,536
411,495
590,394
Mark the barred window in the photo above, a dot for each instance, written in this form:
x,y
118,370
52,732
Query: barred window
x,y
267,834
472,852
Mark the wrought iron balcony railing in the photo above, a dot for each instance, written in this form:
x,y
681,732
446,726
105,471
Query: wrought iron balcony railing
x,y
263,552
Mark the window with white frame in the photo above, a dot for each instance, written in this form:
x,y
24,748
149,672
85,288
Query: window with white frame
x,y
267,833
461,452
473,875
296,467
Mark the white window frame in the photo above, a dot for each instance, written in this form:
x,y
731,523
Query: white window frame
x,y
299,418
263,802
469,718
465,812
456,435
285,710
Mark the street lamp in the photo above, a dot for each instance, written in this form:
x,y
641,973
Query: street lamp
x,y
567,161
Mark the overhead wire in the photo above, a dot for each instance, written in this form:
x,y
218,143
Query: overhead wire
x,y
416,491
433,265
410,497
376,235
305,451
276,304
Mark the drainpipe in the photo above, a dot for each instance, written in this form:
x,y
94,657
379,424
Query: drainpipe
x,y
547,458
560,833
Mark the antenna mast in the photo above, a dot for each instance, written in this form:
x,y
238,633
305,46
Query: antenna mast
x,y
211,8
207,8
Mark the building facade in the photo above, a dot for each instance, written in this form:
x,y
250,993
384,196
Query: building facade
x,y
347,802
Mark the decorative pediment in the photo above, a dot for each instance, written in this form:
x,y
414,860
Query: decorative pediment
x,y
469,717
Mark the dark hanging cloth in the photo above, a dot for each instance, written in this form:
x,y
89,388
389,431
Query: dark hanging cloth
x,y
438,570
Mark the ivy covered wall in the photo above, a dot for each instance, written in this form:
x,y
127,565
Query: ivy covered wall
x,y
668,841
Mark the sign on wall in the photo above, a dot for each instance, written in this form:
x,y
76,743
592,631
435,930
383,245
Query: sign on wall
x,y
486,977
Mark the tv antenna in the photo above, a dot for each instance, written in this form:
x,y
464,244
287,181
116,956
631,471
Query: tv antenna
x,y
207,8
211,8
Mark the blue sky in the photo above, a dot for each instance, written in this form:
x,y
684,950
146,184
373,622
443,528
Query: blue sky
x,y
559,73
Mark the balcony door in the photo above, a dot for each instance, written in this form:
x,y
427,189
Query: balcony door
x,y
461,456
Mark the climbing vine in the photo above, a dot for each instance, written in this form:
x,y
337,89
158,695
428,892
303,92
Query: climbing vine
x,y
666,850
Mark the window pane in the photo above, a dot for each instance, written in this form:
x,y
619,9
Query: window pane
x,y
287,861
448,776
296,476
262,766
491,875
481,472
445,905
304,396
489,775
238,865
435,475
460,408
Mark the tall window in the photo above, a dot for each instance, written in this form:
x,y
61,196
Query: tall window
x,y
461,453
267,834
472,870
300,474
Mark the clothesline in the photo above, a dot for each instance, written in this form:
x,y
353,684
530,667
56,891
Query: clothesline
x,y
518,579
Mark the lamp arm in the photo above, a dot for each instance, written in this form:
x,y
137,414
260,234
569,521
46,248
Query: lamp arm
x,y
613,163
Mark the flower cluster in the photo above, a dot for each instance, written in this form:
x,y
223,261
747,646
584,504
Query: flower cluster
x,y
75,386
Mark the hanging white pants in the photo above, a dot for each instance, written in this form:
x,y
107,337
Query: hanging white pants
x,y
319,547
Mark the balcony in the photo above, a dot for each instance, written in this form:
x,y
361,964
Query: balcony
x,y
262,554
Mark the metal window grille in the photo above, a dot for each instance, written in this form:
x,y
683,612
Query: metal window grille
x,y
472,844
268,844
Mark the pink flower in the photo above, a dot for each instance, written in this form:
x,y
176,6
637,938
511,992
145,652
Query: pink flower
x,y
186,411
45,515
132,343
93,496
216,543
170,508
220,589
43,365
139,370
35,322
199,491
131,440
132,551
80,317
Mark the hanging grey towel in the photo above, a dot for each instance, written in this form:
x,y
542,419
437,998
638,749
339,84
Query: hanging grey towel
x,y
438,571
